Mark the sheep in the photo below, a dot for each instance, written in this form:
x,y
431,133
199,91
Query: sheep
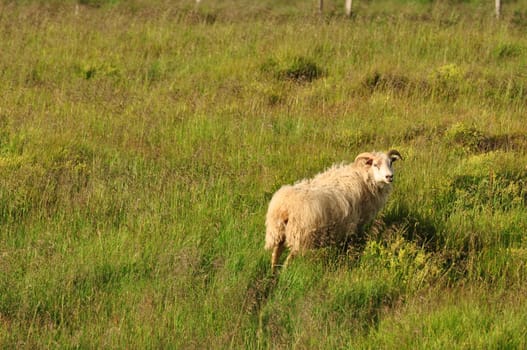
x,y
329,208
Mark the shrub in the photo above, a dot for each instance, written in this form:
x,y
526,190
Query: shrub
x,y
302,69
507,50
402,262
469,138
446,80
98,3
299,69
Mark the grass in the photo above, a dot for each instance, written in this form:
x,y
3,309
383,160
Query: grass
x,y
140,143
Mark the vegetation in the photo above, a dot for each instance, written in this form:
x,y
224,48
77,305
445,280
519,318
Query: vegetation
x,y
140,142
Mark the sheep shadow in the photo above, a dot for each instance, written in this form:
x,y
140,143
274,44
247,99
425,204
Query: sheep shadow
x,y
260,286
452,251
411,225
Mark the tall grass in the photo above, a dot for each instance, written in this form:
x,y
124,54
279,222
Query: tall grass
x,y
140,143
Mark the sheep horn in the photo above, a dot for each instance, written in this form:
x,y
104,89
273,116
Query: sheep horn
x,y
367,157
394,155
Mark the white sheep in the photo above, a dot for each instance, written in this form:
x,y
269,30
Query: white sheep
x,y
330,208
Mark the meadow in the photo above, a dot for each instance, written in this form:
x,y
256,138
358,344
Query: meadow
x,y
141,141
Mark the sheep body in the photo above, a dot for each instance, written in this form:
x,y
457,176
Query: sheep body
x,y
330,208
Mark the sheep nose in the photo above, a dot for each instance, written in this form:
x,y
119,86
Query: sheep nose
x,y
389,178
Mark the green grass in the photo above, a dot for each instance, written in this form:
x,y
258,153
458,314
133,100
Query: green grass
x,y
141,141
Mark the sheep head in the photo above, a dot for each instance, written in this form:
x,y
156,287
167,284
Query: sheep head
x,y
379,165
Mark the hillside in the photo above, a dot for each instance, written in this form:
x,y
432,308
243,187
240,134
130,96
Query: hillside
x,y
141,141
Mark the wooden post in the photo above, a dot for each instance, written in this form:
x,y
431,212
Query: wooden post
x,y
498,9
348,7
321,6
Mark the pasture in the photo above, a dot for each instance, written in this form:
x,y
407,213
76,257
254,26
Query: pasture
x,y
141,142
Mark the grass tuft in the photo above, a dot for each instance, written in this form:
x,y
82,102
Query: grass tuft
x,y
141,142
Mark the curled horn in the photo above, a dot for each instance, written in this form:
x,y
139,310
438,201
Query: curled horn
x,y
367,157
394,155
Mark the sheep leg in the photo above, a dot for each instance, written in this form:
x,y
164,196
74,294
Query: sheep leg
x,y
277,251
290,257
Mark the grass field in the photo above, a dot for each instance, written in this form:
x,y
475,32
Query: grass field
x,y
141,141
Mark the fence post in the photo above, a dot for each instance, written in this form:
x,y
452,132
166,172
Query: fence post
x,y
348,7
498,9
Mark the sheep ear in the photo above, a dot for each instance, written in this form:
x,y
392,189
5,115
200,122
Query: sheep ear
x,y
367,158
394,155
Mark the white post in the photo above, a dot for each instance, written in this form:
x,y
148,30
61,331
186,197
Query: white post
x,y
498,9
348,7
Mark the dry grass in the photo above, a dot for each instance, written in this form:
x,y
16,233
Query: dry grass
x,y
140,143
